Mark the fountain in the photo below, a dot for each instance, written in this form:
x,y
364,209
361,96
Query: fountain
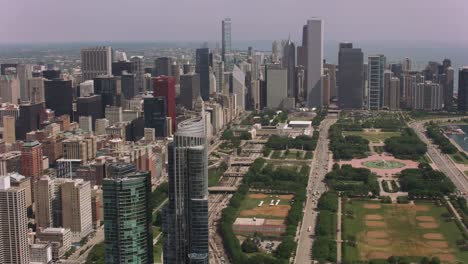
x,y
383,164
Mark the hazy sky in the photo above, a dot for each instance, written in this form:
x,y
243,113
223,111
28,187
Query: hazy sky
x,y
374,21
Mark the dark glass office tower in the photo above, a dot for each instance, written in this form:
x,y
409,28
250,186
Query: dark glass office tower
x,y
51,74
463,89
351,77
185,225
106,86
129,89
89,106
189,89
162,66
155,111
203,69
59,96
119,67
289,63
127,215
29,119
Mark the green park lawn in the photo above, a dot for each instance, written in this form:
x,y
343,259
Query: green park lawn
x,y
374,137
384,230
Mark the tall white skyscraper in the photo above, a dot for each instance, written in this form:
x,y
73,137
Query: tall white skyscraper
x,y
226,52
14,248
314,68
96,61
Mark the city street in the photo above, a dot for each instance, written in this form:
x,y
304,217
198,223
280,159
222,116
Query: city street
x,y
442,161
320,166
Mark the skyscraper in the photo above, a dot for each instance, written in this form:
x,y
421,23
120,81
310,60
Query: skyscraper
x,y
31,160
29,119
189,89
155,112
238,87
89,106
139,71
76,208
463,89
226,52
165,86
289,63
276,85
9,135
185,225
376,68
203,69
24,72
107,87
162,66
45,201
96,61
9,89
14,247
59,96
36,90
351,79
127,215
314,61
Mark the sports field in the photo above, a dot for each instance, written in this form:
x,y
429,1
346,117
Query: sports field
x,y
383,230
250,208
374,137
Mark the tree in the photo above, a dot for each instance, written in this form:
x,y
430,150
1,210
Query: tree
x,y
249,246
244,135
435,260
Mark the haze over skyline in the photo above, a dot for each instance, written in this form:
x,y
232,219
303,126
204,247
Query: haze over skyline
x,y
370,21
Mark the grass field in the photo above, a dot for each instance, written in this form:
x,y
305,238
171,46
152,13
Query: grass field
x,y
250,208
459,158
384,230
157,251
214,175
292,154
374,137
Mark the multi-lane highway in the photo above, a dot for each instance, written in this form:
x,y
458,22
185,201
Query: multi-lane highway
x,y
320,166
442,161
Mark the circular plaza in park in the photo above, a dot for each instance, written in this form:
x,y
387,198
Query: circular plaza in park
x,y
383,164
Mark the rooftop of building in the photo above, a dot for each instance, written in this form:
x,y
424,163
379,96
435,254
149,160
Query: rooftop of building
x,y
300,123
31,144
54,230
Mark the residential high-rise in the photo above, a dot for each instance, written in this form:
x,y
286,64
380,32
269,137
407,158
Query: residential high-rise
x,y
45,201
289,63
376,68
165,86
24,72
127,215
394,94
219,74
350,75
428,96
189,89
314,61
448,87
59,96
203,69
463,89
185,225
9,89
113,114
155,112
9,135
76,208
226,52
96,61
14,247
237,84
162,66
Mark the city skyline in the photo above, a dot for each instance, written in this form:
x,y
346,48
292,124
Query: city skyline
x,y
344,21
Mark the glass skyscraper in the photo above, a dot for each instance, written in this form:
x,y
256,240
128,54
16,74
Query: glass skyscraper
x,y
127,215
185,225
376,68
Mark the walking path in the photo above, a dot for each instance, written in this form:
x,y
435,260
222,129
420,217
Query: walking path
x,y
455,212
339,240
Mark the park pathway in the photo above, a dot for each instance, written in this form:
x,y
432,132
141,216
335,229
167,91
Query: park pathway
x,y
339,240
